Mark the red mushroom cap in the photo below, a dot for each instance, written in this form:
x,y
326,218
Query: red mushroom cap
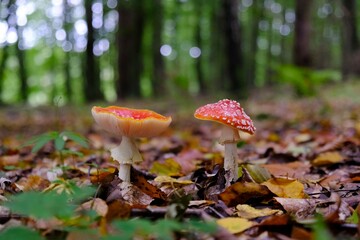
x,y
130,122
227,112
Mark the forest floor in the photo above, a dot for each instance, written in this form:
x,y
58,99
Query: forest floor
x,y
299,175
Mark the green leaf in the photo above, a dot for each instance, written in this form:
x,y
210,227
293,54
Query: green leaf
x,y
76,138
71,152
200,226
20,233
41,205
59,143
41,140
320,229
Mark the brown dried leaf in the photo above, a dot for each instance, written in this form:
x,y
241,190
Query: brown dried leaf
x,y
98,205
240,193
118,209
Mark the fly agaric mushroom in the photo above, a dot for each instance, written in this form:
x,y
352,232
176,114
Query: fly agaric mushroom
x,y
129,123
233,118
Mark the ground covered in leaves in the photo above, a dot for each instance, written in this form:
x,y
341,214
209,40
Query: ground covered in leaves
x,y
299,176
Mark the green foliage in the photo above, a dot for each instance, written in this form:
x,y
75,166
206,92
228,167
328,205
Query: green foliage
x,y
20,233
47,205
59,139
305,80
162,229
321,232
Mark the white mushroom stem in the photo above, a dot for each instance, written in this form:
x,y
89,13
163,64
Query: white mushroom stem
x,y
126,154
229,138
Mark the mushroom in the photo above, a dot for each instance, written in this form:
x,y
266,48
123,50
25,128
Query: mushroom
x,y
129,123
233,118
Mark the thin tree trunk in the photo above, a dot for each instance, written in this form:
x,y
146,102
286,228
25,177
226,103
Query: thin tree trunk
x,y
302,53
91,68
67,65
233,47
350,38
198,40
257,13
131,26
4,58
22,74
158,71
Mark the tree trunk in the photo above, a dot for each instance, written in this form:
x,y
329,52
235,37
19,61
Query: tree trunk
x,y
92,91
131,26
198,40
233,47
4,58
350,43
22,74
302,53
158,71
67,74
257,13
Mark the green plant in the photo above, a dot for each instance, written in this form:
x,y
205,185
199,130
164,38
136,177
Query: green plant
x,y
59,139
321,232
304,80
163,229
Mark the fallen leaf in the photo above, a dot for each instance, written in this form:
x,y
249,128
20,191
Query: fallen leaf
x,y
328,158
133,195
118,209
285,187
168,168
172,181
33,182
140,181
239,193
96,204
248,212
234,225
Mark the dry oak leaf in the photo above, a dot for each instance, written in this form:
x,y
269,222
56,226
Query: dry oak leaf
x,y
328,158
285,187
235,225
241,192
96,204
248,212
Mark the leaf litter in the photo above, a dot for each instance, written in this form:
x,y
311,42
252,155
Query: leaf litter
x,y
301,164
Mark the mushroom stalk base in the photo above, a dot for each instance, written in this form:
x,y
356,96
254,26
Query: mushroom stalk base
x,y
124,172
230,163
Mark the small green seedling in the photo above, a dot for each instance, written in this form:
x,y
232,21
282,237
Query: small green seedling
x,y
59,139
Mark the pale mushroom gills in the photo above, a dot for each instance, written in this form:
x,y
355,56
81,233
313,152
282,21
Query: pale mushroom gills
x,y
234,119
129,124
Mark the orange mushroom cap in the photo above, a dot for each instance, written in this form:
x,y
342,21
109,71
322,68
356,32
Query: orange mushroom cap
x,y
227,112
130,122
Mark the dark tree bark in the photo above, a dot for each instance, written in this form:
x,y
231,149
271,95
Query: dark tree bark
x,y
22,73
5,55
158,71
302,53
131,26
233,47
198,40
92,89
67,75
257,13
350,44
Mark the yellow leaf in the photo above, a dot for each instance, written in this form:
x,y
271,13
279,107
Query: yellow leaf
x,y
328,158
248,212
284,187
234,225
172,181
169,168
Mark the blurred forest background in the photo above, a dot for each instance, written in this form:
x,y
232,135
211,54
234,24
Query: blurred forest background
x,y
93,50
